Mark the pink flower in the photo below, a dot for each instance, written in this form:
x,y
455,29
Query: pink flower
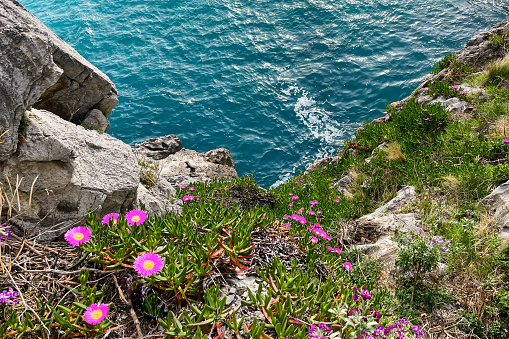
x,y
96,313
207,186
347,266
299,210
425,110
329,248
286,217
107,217
311,212
318,212
148,264
506,140
290,194
463,92
337,200
264,214
291,205
135,217
427,119
188,198
302,220
191,188
455,86
182,187
77,235
314,240
338,251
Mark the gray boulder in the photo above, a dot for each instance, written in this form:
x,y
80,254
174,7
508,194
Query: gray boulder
x,y
189,163
157,204
498,203
386,222
95,119
39,69
77,171
322,163
159,148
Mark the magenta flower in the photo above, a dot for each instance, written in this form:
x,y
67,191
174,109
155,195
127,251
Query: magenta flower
x,y
291,205
347,266
506,140
77,235
182,187
96,313
191,188
302,220
314,240
338,251
188,198
148,264
299,210
290,194
318,212
207,186
455,86
135,217
427,119
329,248
107,217
463,92
311,212
337,200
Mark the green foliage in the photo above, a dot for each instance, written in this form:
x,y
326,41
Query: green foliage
x,y
445,62
91,128
472,324
498,73
148,173
497,40
447,89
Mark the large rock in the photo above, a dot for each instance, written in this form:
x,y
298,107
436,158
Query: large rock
x,y
213,164
384,224
498,202
160,147
77,170
38,68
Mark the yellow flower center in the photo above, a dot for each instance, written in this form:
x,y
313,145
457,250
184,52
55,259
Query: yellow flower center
x,y
97,314
136,218
148,265
79,236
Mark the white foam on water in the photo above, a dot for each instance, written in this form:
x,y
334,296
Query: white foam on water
x,y
318,121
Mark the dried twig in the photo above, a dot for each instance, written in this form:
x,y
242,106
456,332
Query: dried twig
x,y
130,306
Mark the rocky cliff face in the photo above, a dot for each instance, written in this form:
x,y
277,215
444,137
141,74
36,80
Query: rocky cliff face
x,y
52,171
39,69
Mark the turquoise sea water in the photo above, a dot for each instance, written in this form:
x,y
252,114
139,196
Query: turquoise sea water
x,y
279,83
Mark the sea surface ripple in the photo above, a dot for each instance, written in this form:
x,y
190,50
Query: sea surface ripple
x,y
279,83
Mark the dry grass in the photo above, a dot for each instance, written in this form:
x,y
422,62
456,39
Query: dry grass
x,y
393,152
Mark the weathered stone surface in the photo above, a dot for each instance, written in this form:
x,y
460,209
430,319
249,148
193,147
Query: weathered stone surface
x,y
155,203
77,170
160,147
37,68
322,163
220,156
498,202
95,119
387,221
191,163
